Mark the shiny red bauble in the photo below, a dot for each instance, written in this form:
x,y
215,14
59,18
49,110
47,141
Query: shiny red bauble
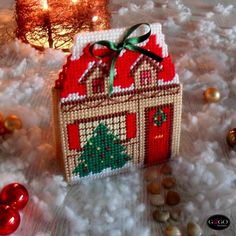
x,y
9,219
14,195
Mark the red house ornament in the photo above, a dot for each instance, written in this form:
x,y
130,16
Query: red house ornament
x,y
106,121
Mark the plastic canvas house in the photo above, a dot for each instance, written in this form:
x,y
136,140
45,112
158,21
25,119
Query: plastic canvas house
x,y
98,134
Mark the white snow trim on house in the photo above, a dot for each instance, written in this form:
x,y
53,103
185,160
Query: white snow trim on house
x,y
116,35
140,57
90,65
175,80
73,97
118,89
106,172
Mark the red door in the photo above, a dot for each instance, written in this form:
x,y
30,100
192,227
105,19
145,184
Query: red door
x,y
158,133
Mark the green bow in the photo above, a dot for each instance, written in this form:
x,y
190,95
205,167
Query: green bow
x,y
126,43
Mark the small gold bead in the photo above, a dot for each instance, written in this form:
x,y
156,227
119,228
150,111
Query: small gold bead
x,y
211,95
12,122
231,137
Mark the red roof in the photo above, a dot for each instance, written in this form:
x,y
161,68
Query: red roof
x,y
69,80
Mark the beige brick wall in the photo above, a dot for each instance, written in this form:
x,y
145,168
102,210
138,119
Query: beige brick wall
x,y
136,103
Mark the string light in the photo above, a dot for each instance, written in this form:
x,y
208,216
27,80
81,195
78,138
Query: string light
x,y
95,18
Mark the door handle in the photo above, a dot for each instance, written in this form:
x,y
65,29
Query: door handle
x,y
159,136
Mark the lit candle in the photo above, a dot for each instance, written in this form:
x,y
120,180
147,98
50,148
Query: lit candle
x,y
80,11
49,27
74,1
45,5
47,22
75,8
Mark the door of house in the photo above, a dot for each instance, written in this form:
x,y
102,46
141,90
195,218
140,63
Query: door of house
x,y
159,122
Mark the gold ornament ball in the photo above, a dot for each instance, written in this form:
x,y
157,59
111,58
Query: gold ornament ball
x,y
12,122
211,95
231,137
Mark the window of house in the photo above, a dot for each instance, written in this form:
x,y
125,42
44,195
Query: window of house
x,y
73,136
98,85
145,77
123,126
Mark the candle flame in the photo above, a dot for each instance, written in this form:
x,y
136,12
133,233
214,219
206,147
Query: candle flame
x,y
74,1
45,5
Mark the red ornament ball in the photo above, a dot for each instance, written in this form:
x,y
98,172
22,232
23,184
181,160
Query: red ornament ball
x,y
9,219
14,195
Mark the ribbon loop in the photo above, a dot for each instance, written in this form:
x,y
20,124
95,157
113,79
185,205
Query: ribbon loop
x,y
120,46
127,43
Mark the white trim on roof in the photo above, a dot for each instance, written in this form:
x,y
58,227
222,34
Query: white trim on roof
x,y
175,80
73,97
90,65
118,89
115,35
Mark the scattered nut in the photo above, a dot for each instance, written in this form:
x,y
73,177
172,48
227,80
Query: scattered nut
x,y
168,182
161,216
176,214
154,188
193,229
172,198
157,200
172,231
151,174
166,169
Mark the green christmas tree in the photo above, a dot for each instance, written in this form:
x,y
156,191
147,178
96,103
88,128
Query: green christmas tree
x,y
103,150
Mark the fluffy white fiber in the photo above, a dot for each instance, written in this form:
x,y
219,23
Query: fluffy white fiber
x,y
224,10
114,206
